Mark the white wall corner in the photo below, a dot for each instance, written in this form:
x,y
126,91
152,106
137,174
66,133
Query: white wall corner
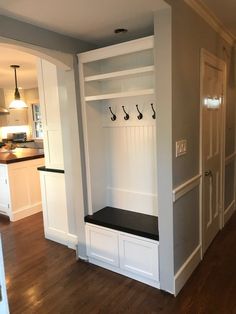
x,y
187,269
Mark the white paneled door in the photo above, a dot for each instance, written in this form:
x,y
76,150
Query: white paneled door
x,y
3,293
212,89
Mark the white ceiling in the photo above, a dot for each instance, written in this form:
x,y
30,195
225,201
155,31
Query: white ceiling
x,y
225,11
91,20
26,74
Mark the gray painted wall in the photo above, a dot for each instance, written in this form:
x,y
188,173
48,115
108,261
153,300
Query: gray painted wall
x,y
186,233
28,33
190,33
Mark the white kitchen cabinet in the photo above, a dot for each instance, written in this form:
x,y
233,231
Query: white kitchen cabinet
x,y
4,308
133,256
17,117
20,194
4,191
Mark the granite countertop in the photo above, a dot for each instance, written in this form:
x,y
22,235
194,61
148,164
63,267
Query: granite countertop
x,y
20,154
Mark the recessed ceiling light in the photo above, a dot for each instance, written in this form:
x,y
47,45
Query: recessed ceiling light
x,y
120,30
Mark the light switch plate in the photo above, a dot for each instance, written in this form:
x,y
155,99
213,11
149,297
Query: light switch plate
x,y
180,148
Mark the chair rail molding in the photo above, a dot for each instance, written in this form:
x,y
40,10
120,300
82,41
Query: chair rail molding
x,y
186,187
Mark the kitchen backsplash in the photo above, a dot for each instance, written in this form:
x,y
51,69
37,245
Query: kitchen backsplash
x,y
14,129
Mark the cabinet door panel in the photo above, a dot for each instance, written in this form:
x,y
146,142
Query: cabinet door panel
x,y
4,191
102,245
139,256
17,117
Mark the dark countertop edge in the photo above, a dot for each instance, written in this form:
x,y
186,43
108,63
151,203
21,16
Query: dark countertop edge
x,y
141,233
19,159
126,230
16,142
43,168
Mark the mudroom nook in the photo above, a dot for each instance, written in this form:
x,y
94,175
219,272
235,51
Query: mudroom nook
x,y
119,121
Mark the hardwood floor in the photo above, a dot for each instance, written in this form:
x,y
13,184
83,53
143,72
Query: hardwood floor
x,y
44,277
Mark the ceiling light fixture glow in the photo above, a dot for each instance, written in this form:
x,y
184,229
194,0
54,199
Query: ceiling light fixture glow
x,y
17,103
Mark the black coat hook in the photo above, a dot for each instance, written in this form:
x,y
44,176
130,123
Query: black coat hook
x,y
113,118
126,117
140,115
154,112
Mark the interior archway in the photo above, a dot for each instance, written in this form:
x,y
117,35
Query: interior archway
x,y
69,109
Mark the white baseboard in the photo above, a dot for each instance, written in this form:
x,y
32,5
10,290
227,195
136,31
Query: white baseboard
x,y
72,241
67,239
229,211
186,269
152,283
56,236
25,212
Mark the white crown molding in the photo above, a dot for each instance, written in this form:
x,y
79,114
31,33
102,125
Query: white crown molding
x,y
199,7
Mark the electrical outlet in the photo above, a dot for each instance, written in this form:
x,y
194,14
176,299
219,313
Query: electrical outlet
x,y
180,148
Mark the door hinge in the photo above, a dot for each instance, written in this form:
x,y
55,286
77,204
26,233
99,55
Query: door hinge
x,y
6,181
8,205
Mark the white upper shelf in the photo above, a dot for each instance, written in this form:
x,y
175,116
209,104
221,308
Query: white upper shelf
x,y
149,91
110,75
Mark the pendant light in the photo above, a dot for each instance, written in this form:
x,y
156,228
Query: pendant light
x,y
17,103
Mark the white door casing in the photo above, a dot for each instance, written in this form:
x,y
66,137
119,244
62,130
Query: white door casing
x,y
213,76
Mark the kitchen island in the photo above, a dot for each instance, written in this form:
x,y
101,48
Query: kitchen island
x,y
20,194
20,154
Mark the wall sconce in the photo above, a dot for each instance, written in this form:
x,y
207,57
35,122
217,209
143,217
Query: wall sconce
x,y
212,102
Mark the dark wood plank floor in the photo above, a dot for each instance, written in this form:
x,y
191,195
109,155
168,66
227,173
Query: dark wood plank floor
x,y
44,277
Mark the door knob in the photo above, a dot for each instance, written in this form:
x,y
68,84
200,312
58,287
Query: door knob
x,y
208,173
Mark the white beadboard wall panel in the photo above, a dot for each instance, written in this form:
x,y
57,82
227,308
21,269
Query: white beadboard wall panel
x,y
131,164
145,203
132,158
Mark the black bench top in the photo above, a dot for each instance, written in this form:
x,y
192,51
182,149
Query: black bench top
x,y
127,221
